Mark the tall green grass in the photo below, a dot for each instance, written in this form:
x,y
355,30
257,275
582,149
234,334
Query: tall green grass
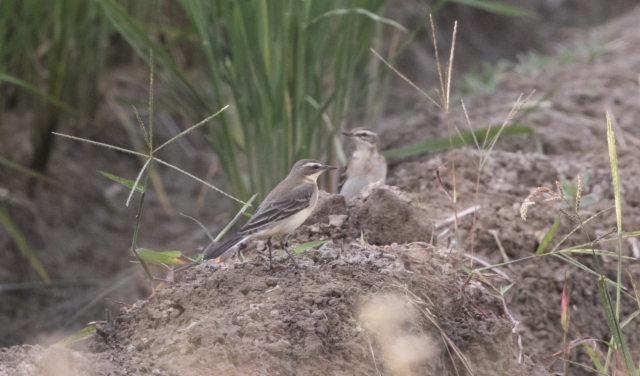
x,y
291,70
52,53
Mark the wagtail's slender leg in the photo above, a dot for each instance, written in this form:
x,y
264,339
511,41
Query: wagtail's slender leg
x,y
366,166
285,245
269,248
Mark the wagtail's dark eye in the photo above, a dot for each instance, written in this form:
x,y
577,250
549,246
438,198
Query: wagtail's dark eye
x,y
315,167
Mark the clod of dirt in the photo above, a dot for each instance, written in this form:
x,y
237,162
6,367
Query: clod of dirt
x,y
383,214
326,206
386,217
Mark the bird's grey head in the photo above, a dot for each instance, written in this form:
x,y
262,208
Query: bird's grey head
x,y
310,168
363,137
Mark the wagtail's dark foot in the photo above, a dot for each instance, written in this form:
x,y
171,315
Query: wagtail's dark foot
x,y
285,245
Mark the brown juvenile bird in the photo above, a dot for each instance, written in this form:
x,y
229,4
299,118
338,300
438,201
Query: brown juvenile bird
x,y
366,165
283,210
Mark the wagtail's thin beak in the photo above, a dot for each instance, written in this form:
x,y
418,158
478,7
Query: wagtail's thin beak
x,y
327,167
349,134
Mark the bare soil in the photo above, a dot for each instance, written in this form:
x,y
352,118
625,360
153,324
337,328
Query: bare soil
x,y
347,310
352,308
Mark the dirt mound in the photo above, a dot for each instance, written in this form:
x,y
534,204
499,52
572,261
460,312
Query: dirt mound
x,y
350,308
324,318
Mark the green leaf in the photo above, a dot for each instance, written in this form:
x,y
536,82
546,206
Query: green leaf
x,y
26,171
201,226
629,319
466,270
496,8
21,242
81,334
619,341
126,182
594,357
362,239
504,289
303,247
462,139
548,237
34,90
167,257
590,251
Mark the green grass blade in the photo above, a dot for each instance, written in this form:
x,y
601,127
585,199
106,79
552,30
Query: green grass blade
x,y
613,159
190,129
125,182
548,237
135,183
22,244
589,251
503,290
34,90
81,334
99,297
167,257
101,144
496,8
201,226
594,358
614,325
462,139
373,16
629,319
27,171
37,285
303,247
235,219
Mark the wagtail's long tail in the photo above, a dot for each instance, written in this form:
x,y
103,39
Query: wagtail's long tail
x,y
228,245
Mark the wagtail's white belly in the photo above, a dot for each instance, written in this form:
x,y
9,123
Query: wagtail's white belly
x,y
364,169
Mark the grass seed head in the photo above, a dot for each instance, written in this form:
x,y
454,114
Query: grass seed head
x,y
528,201
578,193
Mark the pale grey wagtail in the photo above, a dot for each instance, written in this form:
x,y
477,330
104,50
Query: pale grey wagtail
x,y
283,210
366,165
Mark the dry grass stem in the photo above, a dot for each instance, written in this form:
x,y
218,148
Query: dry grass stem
x,y
485,263
569,215
605,235
635,249
419,303
405,78
452,218
505,258
515,328
373,355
